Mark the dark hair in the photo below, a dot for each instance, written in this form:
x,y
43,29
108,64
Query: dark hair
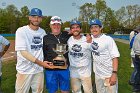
x,y
97,24
74,24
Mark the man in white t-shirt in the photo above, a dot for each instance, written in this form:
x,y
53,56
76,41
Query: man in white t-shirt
x,y
135,77
28,44
132,35
80,60
105,59
133,64
4,45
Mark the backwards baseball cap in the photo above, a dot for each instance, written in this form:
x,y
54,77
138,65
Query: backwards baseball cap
x,y
55,19
35,12
95,22
75,22
137,28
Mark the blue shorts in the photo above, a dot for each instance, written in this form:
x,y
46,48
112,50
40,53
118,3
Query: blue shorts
x,y
57,79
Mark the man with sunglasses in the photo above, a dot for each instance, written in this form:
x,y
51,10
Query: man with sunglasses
x,y
28,44
56,78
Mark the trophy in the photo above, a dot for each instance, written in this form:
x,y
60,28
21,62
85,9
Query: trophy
x,y
60,61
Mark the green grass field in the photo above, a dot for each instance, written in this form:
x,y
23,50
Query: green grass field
x,y
124,68
10,37
9,72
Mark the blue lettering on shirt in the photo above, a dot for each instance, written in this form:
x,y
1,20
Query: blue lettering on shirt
x,y
94,47
76,51
76,54
37,45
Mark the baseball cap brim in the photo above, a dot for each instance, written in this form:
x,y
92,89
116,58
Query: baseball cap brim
x,y
53,22
35,15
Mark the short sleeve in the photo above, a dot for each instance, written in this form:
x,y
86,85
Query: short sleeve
x,y
112,47
4,41
20,40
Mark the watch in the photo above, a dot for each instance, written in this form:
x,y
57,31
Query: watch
x,y
114,72
4,50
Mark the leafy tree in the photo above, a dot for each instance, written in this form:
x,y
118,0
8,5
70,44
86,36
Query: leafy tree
x,y
25,11
120,15
12,13
124,19
66,24
133,12
100,10
86,12
129,9
110,22
45,24
24,16
128,16
3,21
136,9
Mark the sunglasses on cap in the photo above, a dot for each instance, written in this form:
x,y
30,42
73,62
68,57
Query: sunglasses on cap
x,y
55,19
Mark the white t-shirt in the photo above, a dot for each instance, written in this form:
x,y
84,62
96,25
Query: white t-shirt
x,y
136,46
79,57
32,41
3,41
104,49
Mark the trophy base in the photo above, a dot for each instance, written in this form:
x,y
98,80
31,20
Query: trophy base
x,y
60,64
60,67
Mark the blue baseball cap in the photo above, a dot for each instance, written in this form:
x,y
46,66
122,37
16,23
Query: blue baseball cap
x,y
95,22
35,12
75,22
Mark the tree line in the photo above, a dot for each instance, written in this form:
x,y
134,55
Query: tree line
x,y
124,19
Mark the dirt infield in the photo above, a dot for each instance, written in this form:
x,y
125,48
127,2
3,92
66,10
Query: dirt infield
x,y
10,54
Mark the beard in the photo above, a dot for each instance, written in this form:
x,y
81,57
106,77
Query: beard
x,y
35,23
76,33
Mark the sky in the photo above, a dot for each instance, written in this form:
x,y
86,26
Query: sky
x,y
66,9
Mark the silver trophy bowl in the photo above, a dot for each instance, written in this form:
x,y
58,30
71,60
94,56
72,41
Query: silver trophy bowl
x,y
60,60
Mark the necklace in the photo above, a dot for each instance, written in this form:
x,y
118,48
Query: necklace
x,y
58,37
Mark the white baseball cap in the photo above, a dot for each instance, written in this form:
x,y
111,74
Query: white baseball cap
x,y
55,19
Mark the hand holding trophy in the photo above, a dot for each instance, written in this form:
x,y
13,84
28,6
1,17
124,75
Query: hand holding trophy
x,y
60,60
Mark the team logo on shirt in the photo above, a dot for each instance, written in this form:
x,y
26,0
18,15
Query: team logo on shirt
x,y
76,51
76,48
94,47
37,45
36,40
